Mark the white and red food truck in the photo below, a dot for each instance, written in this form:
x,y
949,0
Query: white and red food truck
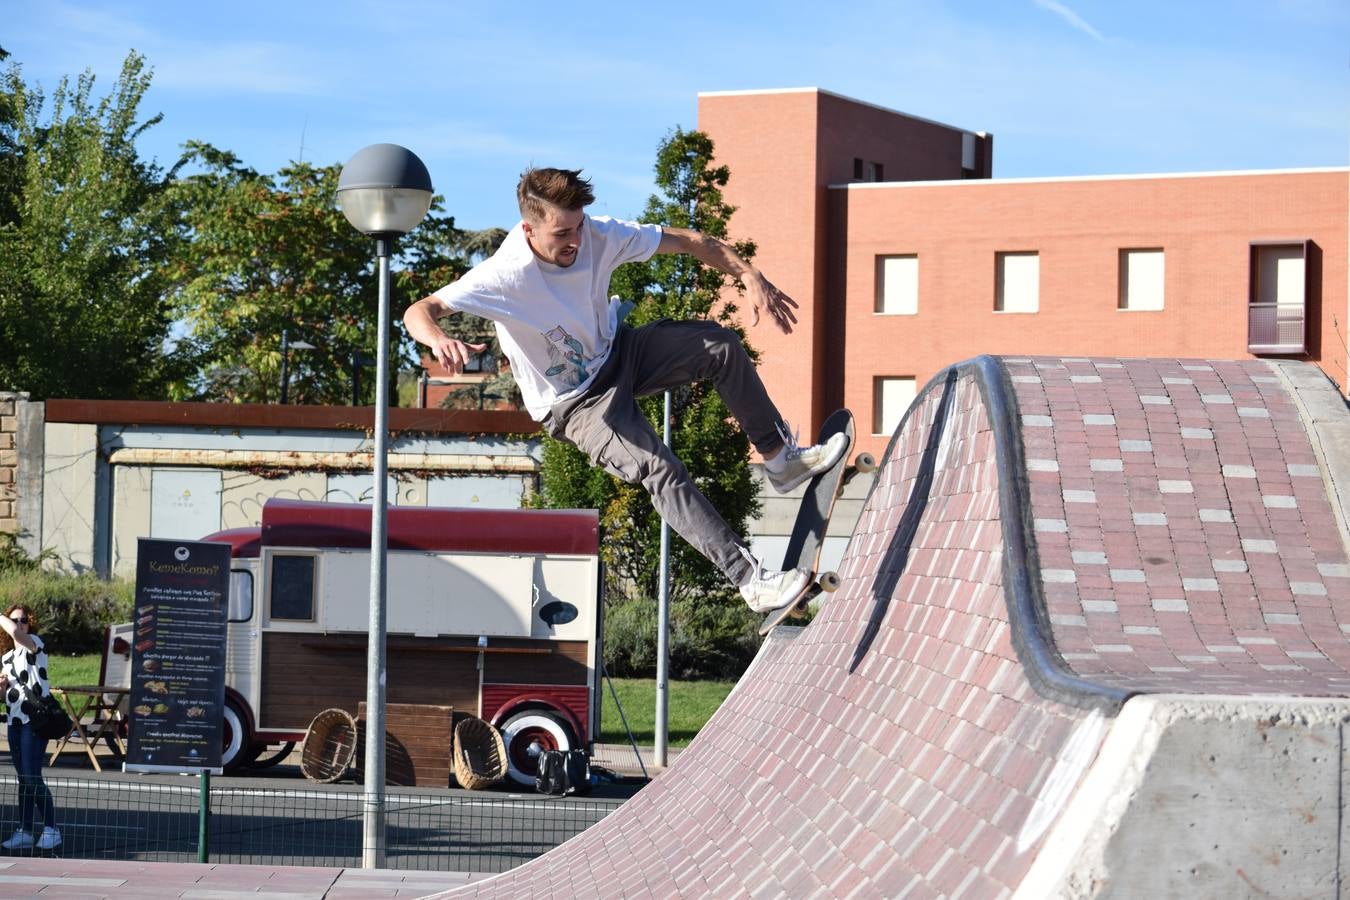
x,y
495,612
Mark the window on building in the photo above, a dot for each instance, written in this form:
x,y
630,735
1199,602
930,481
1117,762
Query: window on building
x,y
898,285
857,168
1141,279
876,172
1278,297
891,397
241,595
292,588
1017,282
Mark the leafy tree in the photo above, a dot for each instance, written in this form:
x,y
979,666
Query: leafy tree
x,y
712,631
269,253
84,234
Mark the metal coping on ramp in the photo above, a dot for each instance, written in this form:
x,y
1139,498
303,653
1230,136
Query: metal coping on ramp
x,y
1045,540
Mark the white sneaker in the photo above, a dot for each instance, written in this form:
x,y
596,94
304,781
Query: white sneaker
x,y
50,839
802,463
21,840
768,591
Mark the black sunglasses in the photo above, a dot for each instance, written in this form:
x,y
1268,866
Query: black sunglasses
x,y
21,620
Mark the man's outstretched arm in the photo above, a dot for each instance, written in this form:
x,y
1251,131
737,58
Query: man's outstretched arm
x,y
763,296
420,320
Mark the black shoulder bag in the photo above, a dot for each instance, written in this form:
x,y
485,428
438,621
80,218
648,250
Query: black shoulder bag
x,y
47,717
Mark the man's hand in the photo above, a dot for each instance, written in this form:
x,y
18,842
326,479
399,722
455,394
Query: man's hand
x,y
453,353
764,297
421,321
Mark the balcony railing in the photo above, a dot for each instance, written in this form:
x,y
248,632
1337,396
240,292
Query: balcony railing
x,y
1276,328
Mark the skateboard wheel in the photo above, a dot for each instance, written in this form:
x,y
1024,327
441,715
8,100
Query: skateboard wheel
x,y
829,582
865,462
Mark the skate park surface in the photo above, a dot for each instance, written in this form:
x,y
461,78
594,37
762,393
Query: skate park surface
x,y
1091,642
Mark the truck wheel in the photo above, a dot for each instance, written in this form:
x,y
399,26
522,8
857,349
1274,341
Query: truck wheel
x,y
264,760
235,739
526,735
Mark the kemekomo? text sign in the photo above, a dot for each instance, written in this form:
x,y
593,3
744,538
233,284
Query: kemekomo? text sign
x,y
178,656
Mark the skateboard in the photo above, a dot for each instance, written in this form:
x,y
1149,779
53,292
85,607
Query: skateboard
x,y
813,518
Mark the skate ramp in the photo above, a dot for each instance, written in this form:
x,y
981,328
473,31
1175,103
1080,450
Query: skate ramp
x,y
1091,642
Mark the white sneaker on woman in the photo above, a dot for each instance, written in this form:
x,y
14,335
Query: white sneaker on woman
x,y
50,839
20,840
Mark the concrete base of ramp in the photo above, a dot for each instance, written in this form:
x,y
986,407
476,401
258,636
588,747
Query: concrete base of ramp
x,y
1204,796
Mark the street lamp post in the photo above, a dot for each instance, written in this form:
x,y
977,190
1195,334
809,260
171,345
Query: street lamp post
x,y
384,191
286,347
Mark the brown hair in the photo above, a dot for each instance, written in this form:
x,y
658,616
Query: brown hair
x,y
540,189
7,642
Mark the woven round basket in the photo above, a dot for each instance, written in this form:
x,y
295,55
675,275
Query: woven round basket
x,y
480,755
330,746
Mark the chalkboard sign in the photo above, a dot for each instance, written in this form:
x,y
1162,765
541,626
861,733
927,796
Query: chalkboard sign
x,y
292,588
178,656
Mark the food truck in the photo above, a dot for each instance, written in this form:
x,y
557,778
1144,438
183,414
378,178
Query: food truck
x,y
495,612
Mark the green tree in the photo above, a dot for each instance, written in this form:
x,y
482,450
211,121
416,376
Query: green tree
x,y
84,235
712,631
273,252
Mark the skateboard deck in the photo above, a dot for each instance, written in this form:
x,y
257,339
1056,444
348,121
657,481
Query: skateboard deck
x,y
813,518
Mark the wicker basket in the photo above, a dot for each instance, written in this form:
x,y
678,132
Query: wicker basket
x,y
330,746
480,755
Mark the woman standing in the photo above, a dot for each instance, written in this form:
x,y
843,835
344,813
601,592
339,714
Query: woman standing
x,y
23,680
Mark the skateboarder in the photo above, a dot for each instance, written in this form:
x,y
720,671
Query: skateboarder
x,y
580,372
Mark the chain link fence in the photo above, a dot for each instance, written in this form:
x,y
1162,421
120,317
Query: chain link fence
x,y
158,818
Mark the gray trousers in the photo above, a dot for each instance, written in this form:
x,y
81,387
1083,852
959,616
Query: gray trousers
x,y
607,425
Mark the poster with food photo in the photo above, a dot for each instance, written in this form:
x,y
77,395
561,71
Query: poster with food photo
x,y
178,656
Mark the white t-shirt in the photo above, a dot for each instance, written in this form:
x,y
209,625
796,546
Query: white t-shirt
x,y
556,325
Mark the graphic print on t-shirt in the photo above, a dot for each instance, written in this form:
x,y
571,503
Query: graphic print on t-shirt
x,y
566,353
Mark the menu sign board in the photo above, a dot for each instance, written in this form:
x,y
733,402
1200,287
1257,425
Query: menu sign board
x,y
178,656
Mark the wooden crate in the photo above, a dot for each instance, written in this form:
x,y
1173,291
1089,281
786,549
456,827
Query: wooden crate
x,y
417,743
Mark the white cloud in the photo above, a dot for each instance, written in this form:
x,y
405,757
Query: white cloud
x,y
1071,17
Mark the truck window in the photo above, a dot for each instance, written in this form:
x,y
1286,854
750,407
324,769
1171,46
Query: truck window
x,y
241,595
293,588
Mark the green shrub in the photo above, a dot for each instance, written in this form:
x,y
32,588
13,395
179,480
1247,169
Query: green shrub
x,y
72,610
630,638
709,638
712,638
15,558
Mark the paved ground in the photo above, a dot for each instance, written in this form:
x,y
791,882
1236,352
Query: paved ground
x,y
34,877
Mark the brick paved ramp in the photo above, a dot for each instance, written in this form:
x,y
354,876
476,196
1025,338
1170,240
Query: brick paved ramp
x,y
1091,642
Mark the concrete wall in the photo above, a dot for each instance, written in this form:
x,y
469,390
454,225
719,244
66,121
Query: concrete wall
x,y
1205,796
89,490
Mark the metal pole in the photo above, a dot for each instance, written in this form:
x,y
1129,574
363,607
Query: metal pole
x,y
663,628
372,853
285,375
204,818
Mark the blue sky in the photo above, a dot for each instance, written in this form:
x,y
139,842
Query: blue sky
x,y
1067,87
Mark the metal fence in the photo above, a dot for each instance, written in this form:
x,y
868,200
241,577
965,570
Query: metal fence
x,y
158,818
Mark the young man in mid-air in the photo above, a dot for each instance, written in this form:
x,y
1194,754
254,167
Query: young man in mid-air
x,y
580,371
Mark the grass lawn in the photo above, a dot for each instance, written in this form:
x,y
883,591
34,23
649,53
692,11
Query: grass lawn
x,y
71,670
690,704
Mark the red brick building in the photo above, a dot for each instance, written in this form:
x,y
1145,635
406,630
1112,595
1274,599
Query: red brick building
x,y
906,256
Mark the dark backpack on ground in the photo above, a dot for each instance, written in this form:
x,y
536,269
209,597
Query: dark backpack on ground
x,y
562,772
